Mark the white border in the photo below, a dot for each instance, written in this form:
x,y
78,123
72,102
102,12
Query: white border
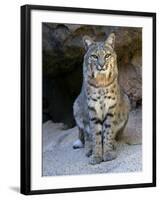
x,y
42,183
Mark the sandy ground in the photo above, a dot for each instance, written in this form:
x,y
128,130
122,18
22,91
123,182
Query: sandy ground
x,y
59,158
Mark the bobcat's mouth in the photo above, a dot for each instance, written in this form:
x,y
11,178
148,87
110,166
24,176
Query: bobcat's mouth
x,y
101,68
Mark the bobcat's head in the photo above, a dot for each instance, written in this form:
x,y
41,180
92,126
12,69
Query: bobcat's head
x,y
100,61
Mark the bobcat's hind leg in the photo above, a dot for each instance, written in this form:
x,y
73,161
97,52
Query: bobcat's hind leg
x,y
79,143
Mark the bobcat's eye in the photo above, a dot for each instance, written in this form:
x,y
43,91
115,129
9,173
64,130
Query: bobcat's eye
x,y
94,56
107,55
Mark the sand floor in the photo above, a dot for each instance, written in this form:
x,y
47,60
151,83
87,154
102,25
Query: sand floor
x,y
59,158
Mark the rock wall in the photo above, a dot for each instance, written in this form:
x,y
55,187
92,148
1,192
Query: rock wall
x,y
63,53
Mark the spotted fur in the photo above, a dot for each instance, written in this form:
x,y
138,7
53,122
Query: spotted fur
x,y
101,110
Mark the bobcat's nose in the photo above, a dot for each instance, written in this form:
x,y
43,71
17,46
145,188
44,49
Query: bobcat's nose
x,y
101,64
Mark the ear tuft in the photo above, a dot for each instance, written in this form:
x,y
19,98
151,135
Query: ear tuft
x,y
87,41
111,40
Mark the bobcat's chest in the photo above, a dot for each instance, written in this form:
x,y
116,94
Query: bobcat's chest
x,y
99,100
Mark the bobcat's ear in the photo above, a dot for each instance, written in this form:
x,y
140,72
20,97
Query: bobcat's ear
x,y
87,41
111,40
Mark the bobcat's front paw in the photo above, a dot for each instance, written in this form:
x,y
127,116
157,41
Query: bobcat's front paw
x,y
109,155
93,160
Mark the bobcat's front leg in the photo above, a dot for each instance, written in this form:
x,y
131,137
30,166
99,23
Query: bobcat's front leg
x,y
109,151
96,131
88,144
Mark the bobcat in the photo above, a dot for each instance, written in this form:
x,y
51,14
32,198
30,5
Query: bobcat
x,y
101,110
